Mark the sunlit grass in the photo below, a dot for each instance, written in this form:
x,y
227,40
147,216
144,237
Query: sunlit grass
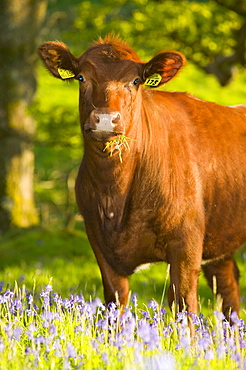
x,y
66,259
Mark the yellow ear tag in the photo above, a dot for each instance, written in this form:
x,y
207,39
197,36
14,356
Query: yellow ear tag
x,y
153,80
65,73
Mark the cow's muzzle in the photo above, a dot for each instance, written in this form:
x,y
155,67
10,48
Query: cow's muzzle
x,y
105,121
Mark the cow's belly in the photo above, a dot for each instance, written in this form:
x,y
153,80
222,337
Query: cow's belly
x,y
223,242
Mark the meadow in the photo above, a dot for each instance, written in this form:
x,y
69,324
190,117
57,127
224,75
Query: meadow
x,y
51,301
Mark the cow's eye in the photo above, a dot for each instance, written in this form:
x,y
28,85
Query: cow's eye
x,y
136,81
81,78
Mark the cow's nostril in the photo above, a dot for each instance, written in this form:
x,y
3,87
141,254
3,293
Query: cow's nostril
x,y
97,118
116,118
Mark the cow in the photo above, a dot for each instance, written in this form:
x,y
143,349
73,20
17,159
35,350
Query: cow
x,y
163,174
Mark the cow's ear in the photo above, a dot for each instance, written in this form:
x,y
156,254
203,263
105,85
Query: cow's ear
x,y
162,68
58,59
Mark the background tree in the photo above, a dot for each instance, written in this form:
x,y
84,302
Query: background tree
x,y
211,33
20,22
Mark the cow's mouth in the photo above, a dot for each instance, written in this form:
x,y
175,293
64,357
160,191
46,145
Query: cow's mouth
x,y
102,135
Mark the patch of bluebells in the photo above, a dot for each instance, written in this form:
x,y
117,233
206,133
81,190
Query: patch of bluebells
x,y
73,331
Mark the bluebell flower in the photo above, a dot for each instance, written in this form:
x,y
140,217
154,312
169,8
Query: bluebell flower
x,y
146,315
40,339
119,341
204,342
78,329
17,333
134,300
105,358
231,344
102,323
52,330
209,354
153,304
71,351
219,315
1,285
2,346
167,331
234,318
66,364
128,329
221,350
30,299
144,330
57,346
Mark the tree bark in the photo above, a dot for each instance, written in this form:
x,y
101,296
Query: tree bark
x,y
20,22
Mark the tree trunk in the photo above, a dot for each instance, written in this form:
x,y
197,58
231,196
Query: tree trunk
x,y
20,22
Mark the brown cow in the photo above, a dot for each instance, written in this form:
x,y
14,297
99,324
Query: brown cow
x,y
175,191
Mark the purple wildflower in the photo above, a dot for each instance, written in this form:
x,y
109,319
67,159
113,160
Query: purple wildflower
x,y
149,334
39,339
231,344
103,324
16,306
146,315
71,351
234,318
221,350
128,329
30,299
204,342
30,332
134,300
209,354
1,285
17,333
66,364
167,331
57,346
153,304
8,295
78,329
119,341
52,330
105,358
144,330
219,315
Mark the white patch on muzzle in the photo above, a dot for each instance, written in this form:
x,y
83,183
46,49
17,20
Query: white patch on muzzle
x,y
105,122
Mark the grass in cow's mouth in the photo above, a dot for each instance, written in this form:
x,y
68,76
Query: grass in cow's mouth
x,y
119,143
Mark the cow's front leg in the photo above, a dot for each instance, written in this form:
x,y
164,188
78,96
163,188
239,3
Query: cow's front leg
x,y
184,273
116,286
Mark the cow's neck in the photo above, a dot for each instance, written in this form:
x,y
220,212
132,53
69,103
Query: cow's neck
x,y
110,171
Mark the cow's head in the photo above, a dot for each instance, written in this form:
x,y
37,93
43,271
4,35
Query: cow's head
x,y
110,75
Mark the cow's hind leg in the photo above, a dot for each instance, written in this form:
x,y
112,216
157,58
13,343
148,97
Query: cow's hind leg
x,y
223,275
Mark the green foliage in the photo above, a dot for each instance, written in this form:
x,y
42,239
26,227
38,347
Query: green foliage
x,y
201,30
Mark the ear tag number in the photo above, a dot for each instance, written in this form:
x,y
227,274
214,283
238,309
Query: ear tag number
x,y
153,80
65,73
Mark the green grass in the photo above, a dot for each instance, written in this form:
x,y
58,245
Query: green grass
x,y
39,256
